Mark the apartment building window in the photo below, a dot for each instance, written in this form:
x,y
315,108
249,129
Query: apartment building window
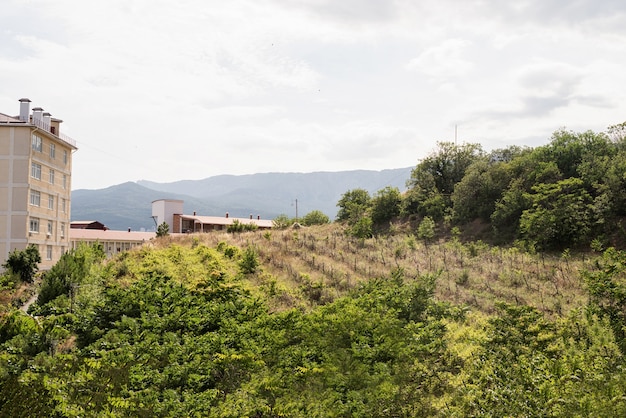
x,y
51,176
63,205
35,171
62,229
50,202
49,252
64,156
64,181
35,198
37,143
53,150
50,228
33,225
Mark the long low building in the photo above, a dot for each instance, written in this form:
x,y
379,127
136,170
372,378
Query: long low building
x,y
170,211
196,223
113,242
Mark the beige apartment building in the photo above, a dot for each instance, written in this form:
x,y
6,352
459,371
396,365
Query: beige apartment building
x,y
35,184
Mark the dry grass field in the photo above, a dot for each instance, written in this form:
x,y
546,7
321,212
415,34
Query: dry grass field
x,y
314,265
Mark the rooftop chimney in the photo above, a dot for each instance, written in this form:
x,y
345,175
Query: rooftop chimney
x,y
250,216
227,214
258,217
24,109
37,115
46,121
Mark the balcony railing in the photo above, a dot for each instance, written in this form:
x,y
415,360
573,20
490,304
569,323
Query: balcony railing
x,y
46,127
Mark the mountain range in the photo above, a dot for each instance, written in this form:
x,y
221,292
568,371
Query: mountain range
x,y
129,205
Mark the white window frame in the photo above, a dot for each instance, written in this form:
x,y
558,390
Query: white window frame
x,y
48,252
51,176
37,143
33,225
62,229
35,171
50,227
63,205
35,198
64,156
53,150
64,181
51,202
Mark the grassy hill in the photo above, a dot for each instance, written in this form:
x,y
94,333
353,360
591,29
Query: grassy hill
x,y
315,265
308,322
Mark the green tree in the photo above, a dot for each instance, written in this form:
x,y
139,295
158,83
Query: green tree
x,y
445,167
362,228
433,180
163,230
385,205
482,185
24,263
249,262
426,229
315,217
561,214
70,271
353,205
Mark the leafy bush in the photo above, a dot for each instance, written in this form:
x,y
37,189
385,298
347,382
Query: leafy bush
x,y
282,221
24,263
315,217
237,226
249,260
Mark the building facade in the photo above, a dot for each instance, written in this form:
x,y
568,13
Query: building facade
x,y
170,211
35,184
113,242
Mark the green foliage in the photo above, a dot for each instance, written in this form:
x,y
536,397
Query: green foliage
x,y
315,217
353,205
561,214
434,179
607,289
385,205
529,366
446,166
229,251
24,263
282,221
249,262
482,185
70,271
426,229
163,230
182,331
361,229
237,226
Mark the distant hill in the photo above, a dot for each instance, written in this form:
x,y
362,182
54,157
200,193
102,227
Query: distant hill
x,y
267,194
126,205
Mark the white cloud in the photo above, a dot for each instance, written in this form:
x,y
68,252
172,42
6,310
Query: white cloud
x,y
167,91
443,61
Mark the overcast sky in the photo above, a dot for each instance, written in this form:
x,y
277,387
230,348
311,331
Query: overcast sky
x,y
187,89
